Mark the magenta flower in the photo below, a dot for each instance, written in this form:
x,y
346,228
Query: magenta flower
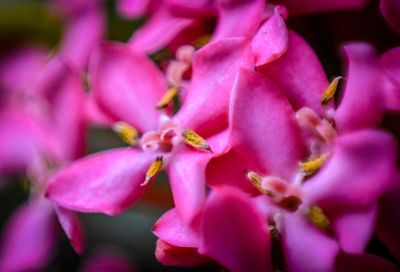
x,y
127,86
315,218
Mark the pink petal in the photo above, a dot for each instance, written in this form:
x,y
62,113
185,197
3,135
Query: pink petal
x,y
359,171
306,247
299,73
168,254
107,182
72,228
365,263
127,85
389,219
94,114
171,229
248,12
107,261
19,141
390,9
313,6
354,229
29,238
215,67
82,35
133,8
271,40
19,69
189,8
230,169
362,103
234,232
186,176
263,127
159,31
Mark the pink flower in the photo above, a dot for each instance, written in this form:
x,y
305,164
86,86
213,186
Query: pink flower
x,y
127,87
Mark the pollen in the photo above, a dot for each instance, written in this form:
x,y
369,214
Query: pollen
x,y
195,140
330,91
311,166
171,93
126,132
316,215
153,170
256,180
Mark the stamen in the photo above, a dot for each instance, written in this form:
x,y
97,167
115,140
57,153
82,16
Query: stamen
x,y
154,169
171,93
256,180
126,132
311,166
330,91
195,140
200,42
318,218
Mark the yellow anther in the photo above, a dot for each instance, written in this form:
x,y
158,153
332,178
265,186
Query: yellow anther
x,y
318,217
311,166
256,180
195,140
26,185
153,170
330,91
171,93
126,132
200,42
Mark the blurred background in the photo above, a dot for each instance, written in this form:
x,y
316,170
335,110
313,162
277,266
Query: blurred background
x,y
26,22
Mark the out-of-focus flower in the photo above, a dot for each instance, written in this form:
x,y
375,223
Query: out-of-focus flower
x,y
108,259
390,9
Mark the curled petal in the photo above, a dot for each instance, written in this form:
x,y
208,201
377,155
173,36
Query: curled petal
x,y
354,229
29,238
72,228
234,232
215,66
299,73
107,182
360,170
248,13
263,127
271,40
159,31
171,229
168,254
362,103
127,85
306,247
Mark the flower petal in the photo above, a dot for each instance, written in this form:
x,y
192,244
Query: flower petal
x,y
168,254
83,33
159,31
72,228
354,229
263,126
306,247
271,40
107,182
362,103
171,229
234,232
360,170
127,85
248,12
390,9
299,73
186,176
29,238
215,67
390,62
